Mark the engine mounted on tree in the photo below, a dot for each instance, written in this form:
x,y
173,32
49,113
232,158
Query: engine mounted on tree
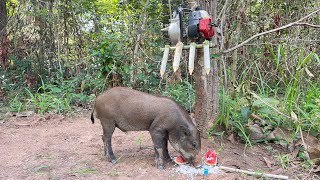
x,y
196,27
200,25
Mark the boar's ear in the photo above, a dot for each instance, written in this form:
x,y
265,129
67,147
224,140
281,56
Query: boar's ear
x,y
185,130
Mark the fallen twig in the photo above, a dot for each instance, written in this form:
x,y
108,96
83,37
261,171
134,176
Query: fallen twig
x,y
269,105
253,173
304,145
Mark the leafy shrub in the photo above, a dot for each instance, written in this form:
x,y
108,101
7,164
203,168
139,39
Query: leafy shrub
x,y
182,92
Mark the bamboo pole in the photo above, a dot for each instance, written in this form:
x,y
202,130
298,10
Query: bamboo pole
x,y
253,173
192,55
206,56
177,56
164,60
198,46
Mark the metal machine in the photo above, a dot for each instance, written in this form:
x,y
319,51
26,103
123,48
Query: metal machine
x,y
197,27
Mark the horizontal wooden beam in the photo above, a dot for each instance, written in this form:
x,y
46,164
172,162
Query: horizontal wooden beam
x,y
198,46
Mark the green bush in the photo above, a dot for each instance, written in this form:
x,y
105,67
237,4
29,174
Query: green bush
x,y
182,92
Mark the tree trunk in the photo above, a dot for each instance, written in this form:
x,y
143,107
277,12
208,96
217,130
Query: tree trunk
x,y
133,74
206,107
3,37
51,39
42,39
237,38
66,30
3,16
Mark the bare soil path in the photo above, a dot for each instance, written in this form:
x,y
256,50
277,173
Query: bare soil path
x,y
54,147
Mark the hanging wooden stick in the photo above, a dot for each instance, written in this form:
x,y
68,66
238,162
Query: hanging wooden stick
x,y
192,55
164,60
206,56
177,56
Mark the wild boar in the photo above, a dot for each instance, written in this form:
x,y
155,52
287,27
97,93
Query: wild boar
x,y
131,110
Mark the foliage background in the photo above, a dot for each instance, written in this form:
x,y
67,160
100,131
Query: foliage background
x,y
61,53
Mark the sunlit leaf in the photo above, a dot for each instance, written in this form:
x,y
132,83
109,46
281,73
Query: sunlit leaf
x,y
317,58
264,101
56,90
264,110
294,116
305,61
245,112
308,72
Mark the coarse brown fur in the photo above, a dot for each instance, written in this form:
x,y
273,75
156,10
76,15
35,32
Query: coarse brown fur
x,y
131,110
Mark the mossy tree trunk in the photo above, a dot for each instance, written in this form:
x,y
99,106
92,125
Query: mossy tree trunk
x,y
206,86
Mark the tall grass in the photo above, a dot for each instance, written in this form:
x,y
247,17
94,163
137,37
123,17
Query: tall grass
x,y
294,92
49,98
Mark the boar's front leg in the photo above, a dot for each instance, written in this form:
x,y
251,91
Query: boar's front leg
x,y
166,155
108,129
158,138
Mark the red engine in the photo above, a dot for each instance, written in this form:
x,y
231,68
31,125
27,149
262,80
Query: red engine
x,y
200,25
205,28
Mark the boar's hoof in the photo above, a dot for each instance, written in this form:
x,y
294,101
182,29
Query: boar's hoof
x,y
114,161
161,167
168,160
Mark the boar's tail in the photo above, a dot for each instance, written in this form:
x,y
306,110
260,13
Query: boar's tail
x,y
92,118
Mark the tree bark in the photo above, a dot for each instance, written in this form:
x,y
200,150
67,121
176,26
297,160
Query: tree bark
x,y
51,39
133,75
3,37
3,16
41,41
206,86
236,38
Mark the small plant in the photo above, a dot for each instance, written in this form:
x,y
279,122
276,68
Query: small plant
x,y
283,160
182,92
114,172
307,165
43,169
138,141
15,104
85,171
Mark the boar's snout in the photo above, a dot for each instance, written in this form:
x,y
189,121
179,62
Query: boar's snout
x,y
190,143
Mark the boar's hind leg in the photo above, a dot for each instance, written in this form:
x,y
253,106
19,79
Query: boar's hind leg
x,y
159,142
106,138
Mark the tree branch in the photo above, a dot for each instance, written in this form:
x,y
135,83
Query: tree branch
x,y
271,31
307,24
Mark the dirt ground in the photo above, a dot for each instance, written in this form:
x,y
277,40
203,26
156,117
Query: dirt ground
x,y
55,147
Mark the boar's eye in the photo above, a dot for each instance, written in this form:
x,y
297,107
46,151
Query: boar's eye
x,y
185,130
194,145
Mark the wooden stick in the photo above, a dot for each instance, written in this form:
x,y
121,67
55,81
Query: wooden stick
x,y
206,56
164,60
253,173
305,147
192,54
177,56
198,46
